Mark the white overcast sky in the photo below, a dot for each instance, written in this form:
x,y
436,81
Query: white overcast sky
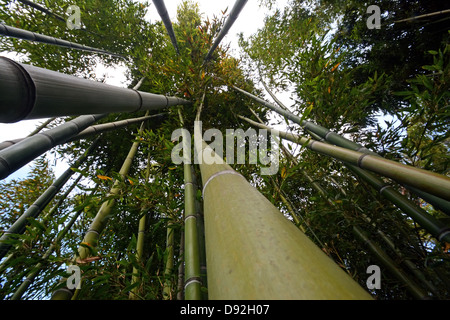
x,y
250,19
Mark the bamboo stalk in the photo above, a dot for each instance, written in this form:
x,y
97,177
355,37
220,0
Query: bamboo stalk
x,y
92,130
42,9
28,92
191,251
140,241
332,137
412,287
21,153
237,8
180,282
201,236
169,262
433,183
162,11
253,251
13,32
92,236
42,126
39,205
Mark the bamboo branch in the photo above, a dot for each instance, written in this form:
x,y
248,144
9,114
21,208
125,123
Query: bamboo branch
x,y
42,9
92,236
28,92
13,32
238,6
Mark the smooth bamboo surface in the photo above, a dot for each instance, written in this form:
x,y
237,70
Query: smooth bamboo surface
x,y
254,252
29,92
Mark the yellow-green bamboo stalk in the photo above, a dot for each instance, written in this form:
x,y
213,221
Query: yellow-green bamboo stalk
x,y
253,251
100,221
134,294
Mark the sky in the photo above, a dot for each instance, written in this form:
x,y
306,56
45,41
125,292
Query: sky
x,y
250,19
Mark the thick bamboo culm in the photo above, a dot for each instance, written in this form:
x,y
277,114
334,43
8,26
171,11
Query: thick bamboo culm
x,y
267,256
39,205
92,236
92,130
28,92
21,153
13,32
237,8
162,11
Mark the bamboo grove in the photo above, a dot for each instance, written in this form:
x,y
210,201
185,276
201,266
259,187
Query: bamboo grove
x,y
350,191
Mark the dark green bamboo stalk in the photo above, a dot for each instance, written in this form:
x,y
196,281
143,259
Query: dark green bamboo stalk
x,y
162,11
92,236
201,235
13,32
19,154
38,267
39,205
192,272
28,92
169,262
180,282
412,287
42,126
140,241
42,9
433,183
253,251
436,202
237,8
93,130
